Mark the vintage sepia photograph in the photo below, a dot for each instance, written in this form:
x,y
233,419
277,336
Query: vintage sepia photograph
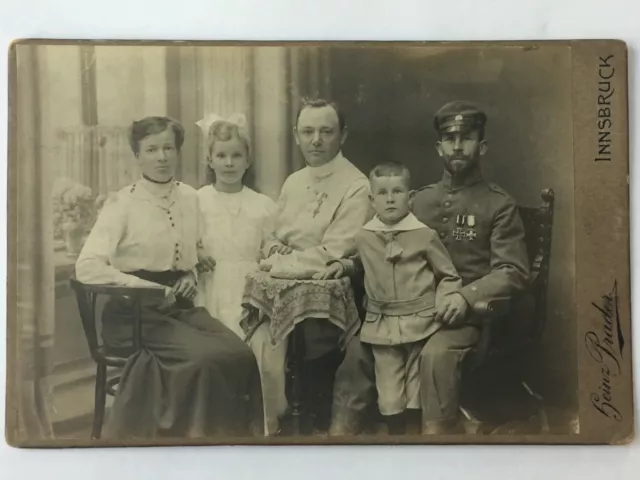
x,y
308,243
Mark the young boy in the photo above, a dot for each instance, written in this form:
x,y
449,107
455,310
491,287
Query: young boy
x,y
408,273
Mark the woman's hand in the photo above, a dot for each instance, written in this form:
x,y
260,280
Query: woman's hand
x,y
169,299
335,270
186,286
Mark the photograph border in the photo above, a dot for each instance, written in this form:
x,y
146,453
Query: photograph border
x,y
601,196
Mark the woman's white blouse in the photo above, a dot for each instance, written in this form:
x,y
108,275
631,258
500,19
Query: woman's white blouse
x,y
142,227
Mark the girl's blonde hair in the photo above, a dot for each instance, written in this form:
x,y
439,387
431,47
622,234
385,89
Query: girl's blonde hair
x,y
224,130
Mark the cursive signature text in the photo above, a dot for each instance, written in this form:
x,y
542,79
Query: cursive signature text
x,y
605,346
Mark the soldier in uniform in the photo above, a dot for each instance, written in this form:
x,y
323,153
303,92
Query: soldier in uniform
x,y
479,224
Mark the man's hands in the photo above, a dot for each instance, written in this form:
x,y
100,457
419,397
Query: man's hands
x,y
452,310
281,249
274,252
335,270
266,264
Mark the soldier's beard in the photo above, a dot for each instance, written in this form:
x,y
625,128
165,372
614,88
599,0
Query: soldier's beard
x,y
460,167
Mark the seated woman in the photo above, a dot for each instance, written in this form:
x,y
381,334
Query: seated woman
x,y
193,377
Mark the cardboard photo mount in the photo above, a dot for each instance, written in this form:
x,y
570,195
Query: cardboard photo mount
x,y
599,255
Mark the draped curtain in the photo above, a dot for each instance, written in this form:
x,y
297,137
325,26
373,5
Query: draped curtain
x,y
31,327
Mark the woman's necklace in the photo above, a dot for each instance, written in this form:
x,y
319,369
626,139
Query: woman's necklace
x,y
231,202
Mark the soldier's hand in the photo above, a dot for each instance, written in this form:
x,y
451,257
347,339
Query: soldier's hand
x,y
452,310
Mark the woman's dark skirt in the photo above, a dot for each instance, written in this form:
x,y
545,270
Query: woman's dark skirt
x,y
193,377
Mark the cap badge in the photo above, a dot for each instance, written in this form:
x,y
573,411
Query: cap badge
x,y
457,118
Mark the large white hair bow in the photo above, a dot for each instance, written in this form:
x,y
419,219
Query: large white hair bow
x,y
236,118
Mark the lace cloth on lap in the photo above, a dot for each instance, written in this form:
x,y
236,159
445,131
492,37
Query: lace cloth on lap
x,y
285,303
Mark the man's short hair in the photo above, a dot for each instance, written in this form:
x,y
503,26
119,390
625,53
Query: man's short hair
x,y
391,169
318,103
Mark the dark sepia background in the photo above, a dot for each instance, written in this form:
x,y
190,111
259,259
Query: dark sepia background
x,y
74,103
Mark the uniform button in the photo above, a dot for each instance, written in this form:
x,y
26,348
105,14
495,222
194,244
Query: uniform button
x,y
445,219
173,224
447,203
442,234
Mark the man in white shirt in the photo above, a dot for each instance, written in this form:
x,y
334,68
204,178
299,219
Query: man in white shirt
x,y
320,209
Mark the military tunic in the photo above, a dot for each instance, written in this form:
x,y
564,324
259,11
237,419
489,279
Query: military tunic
x,y
480,226
491,255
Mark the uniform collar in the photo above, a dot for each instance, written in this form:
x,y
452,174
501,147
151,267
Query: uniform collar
x,y
410,222
323,171
451,183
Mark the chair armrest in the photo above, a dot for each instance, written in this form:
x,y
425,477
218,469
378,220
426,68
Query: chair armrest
x,y
492,308
86,295
488,312
115,290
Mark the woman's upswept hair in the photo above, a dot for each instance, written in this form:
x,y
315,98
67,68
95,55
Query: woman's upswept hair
x,y
152,125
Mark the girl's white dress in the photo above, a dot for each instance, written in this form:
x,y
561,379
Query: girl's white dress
x,y
235,225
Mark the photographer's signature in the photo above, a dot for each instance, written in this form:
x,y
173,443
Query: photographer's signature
x,y
606,346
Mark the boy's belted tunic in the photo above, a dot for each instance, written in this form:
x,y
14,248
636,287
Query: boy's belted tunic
x,y
408,271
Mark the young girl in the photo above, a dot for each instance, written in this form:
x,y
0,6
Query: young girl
x,y
236,219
